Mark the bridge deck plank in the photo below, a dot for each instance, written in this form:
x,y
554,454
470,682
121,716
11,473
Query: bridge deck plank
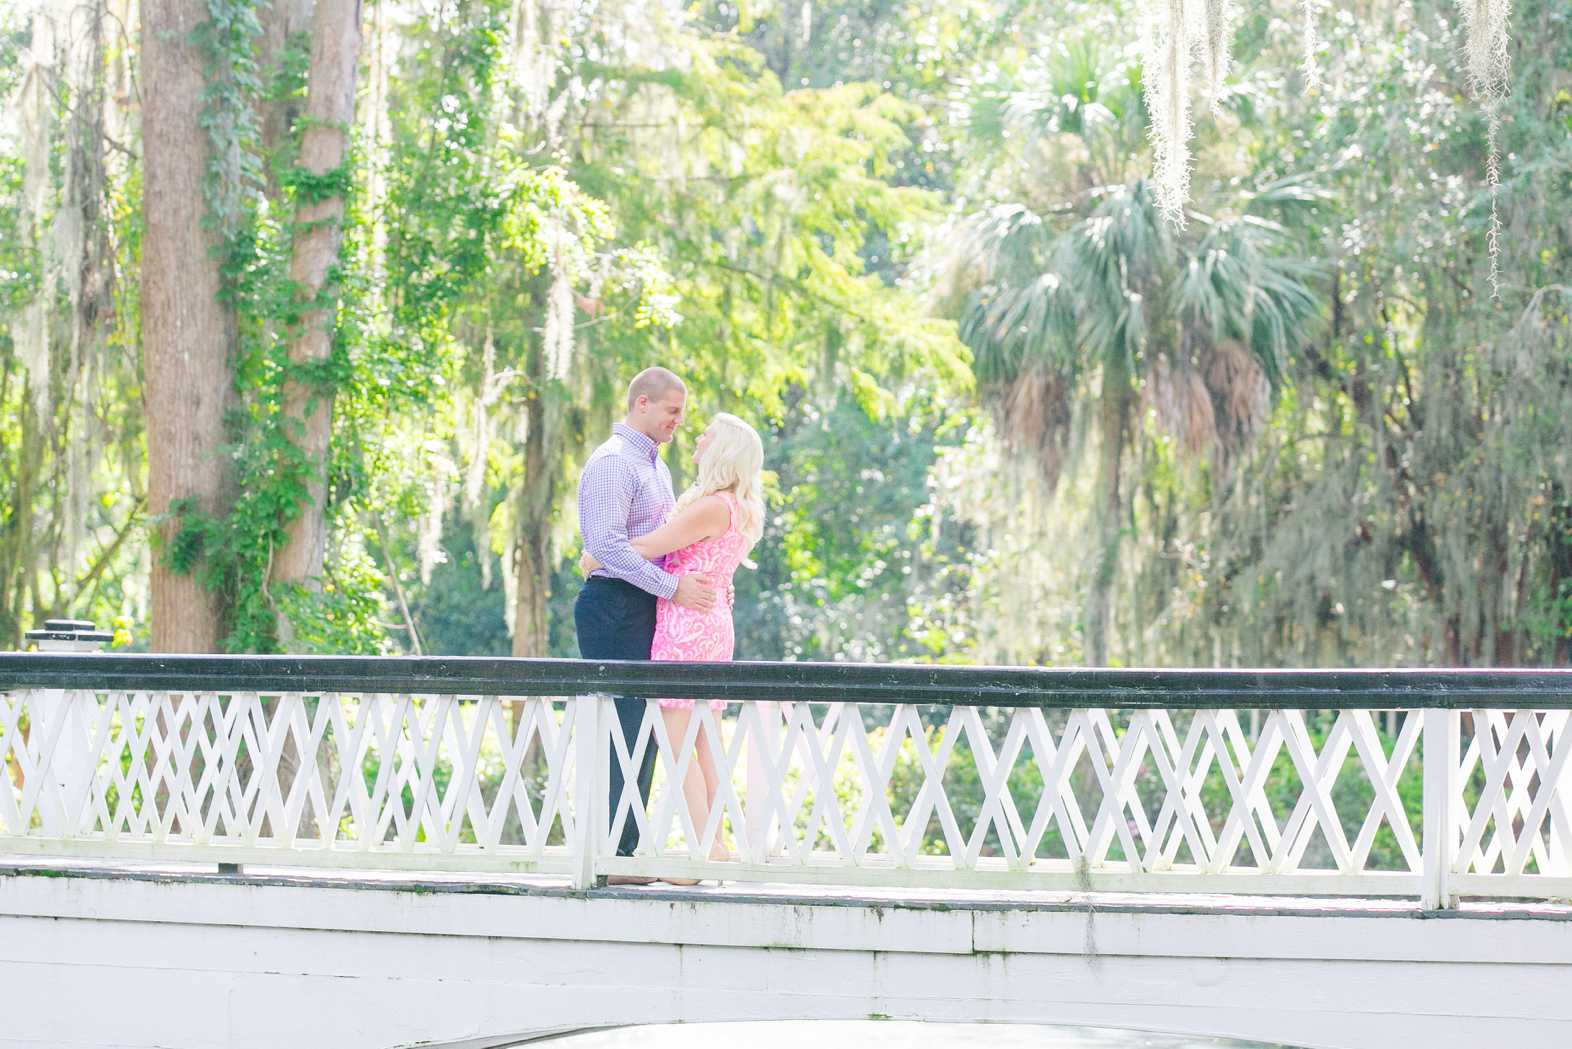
x,y
783,893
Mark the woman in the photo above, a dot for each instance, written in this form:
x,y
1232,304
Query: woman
x,y
711,530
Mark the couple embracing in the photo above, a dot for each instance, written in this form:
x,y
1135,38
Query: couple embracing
x,y
658,569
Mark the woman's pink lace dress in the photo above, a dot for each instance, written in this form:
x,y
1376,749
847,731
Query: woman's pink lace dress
x,y
683,634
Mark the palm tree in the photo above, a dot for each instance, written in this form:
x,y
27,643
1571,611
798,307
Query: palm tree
x,y
1205,316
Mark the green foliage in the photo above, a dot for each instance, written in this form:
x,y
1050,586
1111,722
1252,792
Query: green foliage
x,y
1399,498
233,82
460,612
1335,448
234,552
778,196
447,198
71,512
457,201
307,187
852,562
1410,491
342,616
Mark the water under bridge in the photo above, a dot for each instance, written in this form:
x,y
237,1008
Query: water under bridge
x,y
322,851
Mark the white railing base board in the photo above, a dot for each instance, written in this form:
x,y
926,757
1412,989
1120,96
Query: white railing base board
x,y
277,856
1329,884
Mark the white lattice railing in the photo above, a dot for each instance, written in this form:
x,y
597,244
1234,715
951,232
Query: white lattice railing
x,y
1000,787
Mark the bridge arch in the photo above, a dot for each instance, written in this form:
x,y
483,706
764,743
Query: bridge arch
x,y
886,1034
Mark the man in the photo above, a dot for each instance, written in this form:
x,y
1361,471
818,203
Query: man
x,y
625,492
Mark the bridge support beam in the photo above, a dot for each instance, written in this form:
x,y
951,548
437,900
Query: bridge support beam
x,y
284,962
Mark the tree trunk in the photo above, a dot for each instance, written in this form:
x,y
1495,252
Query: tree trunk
x,y
1114,417
319,232
186,332
284,24
535,506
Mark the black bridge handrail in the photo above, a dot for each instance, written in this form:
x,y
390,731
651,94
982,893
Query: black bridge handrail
x,y
946,685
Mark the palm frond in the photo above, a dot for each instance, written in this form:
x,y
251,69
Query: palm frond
x,y
1236,285
1021,315
1179,396
1083,88
1011,327
1113,261
1294,201
1034,414
1209,323
1241,398
1008,243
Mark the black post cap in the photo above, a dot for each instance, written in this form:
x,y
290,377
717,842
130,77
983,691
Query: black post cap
x,y
69,630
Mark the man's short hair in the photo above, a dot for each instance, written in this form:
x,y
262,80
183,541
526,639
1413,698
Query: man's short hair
x,y
654,383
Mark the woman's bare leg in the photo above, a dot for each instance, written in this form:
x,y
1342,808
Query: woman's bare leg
x,y
693,781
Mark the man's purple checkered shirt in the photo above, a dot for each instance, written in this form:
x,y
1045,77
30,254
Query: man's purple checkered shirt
x,y
625,492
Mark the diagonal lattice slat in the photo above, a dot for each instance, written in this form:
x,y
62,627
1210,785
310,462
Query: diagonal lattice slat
x,y
1014,792
351,780
1515,767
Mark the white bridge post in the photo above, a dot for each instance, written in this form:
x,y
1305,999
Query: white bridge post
x,y
1442,737
67,715
66,768
589,788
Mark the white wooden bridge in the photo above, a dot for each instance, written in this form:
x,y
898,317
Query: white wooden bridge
x,y
413,852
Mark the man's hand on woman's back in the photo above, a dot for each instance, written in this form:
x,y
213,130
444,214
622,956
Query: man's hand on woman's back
x,y
694,591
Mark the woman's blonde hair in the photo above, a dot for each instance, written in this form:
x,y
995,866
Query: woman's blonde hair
x,y
733,461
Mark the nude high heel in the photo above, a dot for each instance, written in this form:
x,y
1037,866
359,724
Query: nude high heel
x,y
720,854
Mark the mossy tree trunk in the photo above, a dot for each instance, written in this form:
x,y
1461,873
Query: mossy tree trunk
x,y
187,334
320,184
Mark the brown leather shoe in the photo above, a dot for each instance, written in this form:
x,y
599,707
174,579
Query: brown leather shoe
x,y
628,879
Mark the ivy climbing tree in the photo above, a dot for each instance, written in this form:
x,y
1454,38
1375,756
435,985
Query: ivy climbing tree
x,y
320,181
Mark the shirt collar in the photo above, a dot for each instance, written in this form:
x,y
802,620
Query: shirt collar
x,y
641,443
